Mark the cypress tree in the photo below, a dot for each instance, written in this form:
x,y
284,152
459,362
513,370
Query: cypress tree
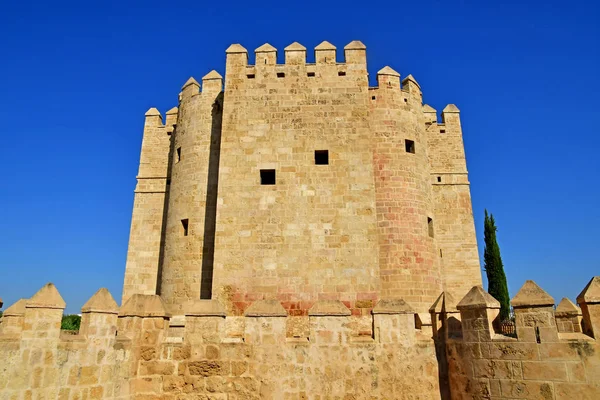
x,y
494,269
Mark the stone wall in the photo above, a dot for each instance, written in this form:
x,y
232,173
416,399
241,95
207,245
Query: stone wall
x,y
144,353
550,357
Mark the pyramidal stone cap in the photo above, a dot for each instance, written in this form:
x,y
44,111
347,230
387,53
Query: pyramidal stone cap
x,y
16,310
591,292
295,47
101,302
266,308
477,298
387,71
236,48
144,305
153,112
355,45
325,45
329,307
205,308
172,111
531,294
566,307
428,109
265,48
445,302
47,297
392,306
212,75
451,108
189,82
412,79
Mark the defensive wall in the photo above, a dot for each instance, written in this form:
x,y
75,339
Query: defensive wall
x,y
139,351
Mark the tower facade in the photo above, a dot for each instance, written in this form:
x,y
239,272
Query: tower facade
x,y
299,182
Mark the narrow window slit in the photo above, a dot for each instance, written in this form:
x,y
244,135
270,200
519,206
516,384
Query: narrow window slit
x,y
184,226
178,154
430,226
439,178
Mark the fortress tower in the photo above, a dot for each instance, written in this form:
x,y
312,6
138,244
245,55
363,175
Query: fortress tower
x,y
299,182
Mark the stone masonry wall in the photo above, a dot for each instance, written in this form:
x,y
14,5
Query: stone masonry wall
x,y
547,359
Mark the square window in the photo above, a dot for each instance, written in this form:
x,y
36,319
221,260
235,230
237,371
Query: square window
x,y
410,146
267,176
439,179
184,226
321,157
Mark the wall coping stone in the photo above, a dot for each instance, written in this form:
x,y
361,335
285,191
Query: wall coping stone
x,y
205,308
591,292
101,302
266,308
531,294
328,307
392,306
477,298
47,297
144,305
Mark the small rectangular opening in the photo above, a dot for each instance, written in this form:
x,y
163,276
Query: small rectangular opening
x,y
321,157
168,181
250,76
281,75
441,255
178,154
442,131
439,178
406,100
341,73
410,146
310,74
267,176
373,97
430,226
184,226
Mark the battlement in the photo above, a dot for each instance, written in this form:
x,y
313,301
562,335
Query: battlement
x,y
551,352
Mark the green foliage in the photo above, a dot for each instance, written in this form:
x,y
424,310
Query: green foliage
x,y
494,269
70,322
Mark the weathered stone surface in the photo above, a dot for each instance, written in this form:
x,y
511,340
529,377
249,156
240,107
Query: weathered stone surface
x,y
140,305
266,308
531,294
477,298
101,302
328,307
46,297
392,306
591,292
205,308
567,308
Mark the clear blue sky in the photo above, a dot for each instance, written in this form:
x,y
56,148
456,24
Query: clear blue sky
x,y
76,78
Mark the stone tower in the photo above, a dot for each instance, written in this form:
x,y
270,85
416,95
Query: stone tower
x,y
299,182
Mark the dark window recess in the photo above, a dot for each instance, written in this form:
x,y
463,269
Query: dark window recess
x,y
410,146
178,154
441,253
184,226
250,76
439,178
341,73
406,100
168,181
267,176
281,75
321,157
442,131
310,74
430,226
373,97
